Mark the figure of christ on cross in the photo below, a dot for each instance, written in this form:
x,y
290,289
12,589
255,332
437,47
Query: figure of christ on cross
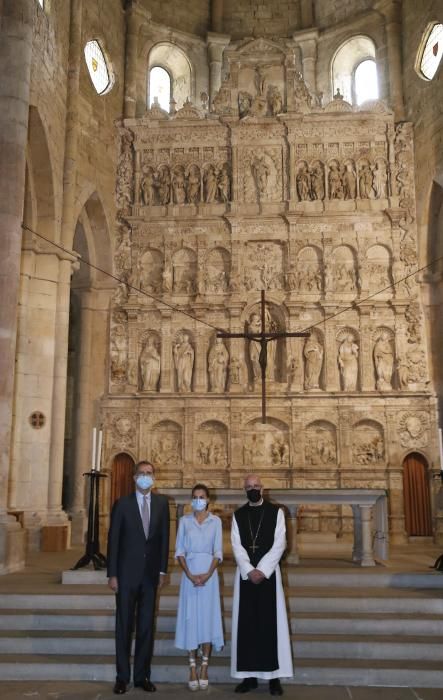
x,y
263,338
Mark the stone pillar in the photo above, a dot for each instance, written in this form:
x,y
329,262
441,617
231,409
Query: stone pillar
x,y
367,558
391,11
55,476
216,45
217,16
200,383
167,369
84,422
308,45
366,362
16,24
131,55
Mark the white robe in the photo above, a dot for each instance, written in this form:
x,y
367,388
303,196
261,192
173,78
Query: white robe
x,y
267,564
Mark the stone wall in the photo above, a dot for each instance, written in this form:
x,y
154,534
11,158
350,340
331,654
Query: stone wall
x,y
261,17
192,17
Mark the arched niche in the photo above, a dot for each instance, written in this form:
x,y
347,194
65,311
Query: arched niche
x,y
266,445
122,476
275,320
383,355
416,495
184,276
378,269
217,271
177,64
342,271
211,445
344,67
313,361
309,270
321,444
183,355
151,271
368,444
166,441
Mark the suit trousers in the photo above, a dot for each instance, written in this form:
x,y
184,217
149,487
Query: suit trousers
x,y
135,604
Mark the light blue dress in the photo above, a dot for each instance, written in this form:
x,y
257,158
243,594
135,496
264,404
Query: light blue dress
x,y
199,613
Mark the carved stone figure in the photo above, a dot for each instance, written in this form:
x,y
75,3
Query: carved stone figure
x,y
365,182
260,171
303,183
149,363
348,363
349,182
254,326
402,368
164,185
166,449
380,183
167,279
244,103
320,447
184,362
368,447
147,187
317,183
223,184
122,256
313,354
218,360
335,182
275,100
279,451
210,185
235,371
119,353
193,185
179,186
384,362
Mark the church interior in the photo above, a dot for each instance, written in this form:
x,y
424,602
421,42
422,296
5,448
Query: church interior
x,y
164,167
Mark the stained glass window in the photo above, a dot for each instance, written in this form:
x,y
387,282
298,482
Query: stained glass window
x,y
432,52
97,67
365,81
160,87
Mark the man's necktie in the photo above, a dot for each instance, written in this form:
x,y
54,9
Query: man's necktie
x,y
145,515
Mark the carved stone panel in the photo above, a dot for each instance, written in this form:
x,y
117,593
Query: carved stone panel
x,y
167,444
321,444
368,443
263,266
266,444
211,445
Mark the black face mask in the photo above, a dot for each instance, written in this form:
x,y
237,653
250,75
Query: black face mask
x,y
253,495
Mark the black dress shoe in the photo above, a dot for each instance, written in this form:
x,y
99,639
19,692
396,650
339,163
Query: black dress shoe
x,y
275,687
119,687
246,685
146,685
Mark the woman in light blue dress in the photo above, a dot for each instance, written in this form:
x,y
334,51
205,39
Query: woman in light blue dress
x,y
199,552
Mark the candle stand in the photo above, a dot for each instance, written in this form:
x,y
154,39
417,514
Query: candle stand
x,y
92,552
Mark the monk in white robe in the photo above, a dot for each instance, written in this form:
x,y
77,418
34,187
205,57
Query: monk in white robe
x,y
260,642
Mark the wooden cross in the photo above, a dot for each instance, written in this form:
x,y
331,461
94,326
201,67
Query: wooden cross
x,y
263,338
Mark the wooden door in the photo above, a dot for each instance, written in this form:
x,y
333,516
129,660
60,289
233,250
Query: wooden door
x,y
122,481
417,501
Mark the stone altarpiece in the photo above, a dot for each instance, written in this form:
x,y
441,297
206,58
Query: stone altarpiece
x,y
315,204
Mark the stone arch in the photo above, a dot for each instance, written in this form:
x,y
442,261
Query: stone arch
x,y
211,444
345,60
176,62
184,271
217,270
41,175
167,444
321,444
95,232
122,472
266,444
368,442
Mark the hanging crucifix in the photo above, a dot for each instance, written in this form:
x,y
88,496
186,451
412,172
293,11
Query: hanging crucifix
x,y
263,338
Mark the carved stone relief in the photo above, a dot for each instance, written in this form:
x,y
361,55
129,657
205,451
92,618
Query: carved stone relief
x,y
309,276
262,174
212,445
264,266
413,429
184,263
265,444
123,430
118,349
218,362
216,275
167,444
313,358
368,443
320,444
383,354
340,274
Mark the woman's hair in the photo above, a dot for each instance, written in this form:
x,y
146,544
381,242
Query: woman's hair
x,y
202,487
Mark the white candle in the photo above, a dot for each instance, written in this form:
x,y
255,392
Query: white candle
x,y
94,446
440,440
99,449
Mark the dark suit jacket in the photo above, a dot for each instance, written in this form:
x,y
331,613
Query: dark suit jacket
x,y
130,555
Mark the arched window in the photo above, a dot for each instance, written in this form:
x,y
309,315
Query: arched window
x,y
354,70
365,81
430,52
41,3
98,67
160,87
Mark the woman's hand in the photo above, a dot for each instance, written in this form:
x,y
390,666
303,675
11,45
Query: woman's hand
x,y
194,578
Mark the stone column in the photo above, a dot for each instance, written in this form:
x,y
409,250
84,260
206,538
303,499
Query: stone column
x,y
131,55
167,369
200,382
367,558
366,360
391,11
84,421
308,44
216,45
15,63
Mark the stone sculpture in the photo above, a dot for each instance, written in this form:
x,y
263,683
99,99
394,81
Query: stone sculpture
x,y
380,184
210,185
384,362
179,186
335,182
365,182
303,183
118,353
348,363
193,185
313,354
184,362
149,363
218,360
349,182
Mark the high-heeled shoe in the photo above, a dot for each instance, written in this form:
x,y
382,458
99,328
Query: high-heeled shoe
x,y
193,685
204,682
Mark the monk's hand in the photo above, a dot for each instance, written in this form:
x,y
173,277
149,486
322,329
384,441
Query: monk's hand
x,y
259,576
162,580
253,576
113,583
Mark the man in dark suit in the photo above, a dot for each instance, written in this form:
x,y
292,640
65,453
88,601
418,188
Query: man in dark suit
x,y
138,548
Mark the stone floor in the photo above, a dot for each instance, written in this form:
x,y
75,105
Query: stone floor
x,y
103,691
